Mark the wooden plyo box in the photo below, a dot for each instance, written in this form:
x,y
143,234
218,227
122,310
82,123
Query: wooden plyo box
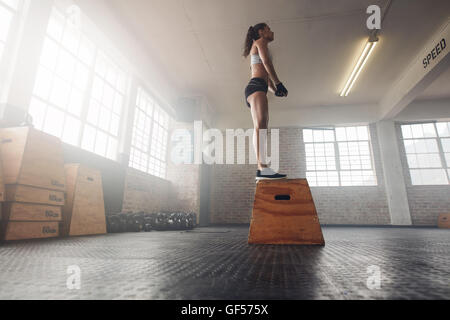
x,y
31,213
84,211
15,211
444,221
14,230
284,213
33,158
27,194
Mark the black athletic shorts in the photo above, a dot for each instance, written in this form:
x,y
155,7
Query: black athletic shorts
x,y
256,84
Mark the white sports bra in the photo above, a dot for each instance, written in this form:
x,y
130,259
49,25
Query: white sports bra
x,y
256,59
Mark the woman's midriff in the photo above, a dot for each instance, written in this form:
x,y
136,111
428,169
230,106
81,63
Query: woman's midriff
x,y
259,71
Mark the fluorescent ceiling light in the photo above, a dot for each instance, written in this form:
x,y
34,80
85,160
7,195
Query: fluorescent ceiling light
x,y
358,68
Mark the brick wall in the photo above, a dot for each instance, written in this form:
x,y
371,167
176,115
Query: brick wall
x,y
147,193
185,179
144,192
426,203
185,188
180,191
355,205
233,188
232,193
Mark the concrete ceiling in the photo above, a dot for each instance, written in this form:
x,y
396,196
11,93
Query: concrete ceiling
x,y
317,43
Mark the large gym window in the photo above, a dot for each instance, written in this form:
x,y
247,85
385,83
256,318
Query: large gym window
x,y
8,12
427,149
339,157
150,136
101,133
79,91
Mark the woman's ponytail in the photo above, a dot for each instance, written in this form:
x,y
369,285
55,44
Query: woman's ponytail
x,y
252,35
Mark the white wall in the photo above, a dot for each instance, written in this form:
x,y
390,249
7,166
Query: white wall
x,y
315,116
336,115
426,110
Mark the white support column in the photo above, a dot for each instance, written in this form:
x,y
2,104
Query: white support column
x,y
25,66
393,174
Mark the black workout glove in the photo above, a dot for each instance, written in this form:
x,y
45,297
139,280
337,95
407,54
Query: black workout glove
x,y
281,90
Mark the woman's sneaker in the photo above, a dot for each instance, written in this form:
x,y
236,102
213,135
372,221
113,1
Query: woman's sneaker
x,y
269,174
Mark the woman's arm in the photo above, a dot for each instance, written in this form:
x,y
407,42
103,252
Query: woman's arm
x,y
272,87
264,55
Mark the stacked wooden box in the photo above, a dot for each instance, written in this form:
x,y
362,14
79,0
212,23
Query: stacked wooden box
x,y
33,173
84,211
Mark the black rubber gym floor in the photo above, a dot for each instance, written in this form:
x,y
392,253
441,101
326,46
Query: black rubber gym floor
x,y
217,263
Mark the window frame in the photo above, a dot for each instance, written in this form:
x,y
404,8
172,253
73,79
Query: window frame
x,y
98,50
141,89
438,139
90,98
337,157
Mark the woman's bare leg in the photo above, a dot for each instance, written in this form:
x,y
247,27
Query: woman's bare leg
x,y
260,114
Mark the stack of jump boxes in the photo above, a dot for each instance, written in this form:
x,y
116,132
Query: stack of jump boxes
x,y
33,173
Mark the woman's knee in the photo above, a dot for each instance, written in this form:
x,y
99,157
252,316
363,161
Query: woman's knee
x,y
261,124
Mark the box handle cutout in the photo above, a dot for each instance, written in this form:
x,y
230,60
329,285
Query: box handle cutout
x,y
283,197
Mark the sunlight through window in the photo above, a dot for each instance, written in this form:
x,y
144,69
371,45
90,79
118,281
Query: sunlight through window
x,y
79,92
8,12
150,136
428,165
339,157
62,80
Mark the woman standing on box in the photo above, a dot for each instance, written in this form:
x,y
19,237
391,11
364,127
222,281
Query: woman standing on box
x,y
264,78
